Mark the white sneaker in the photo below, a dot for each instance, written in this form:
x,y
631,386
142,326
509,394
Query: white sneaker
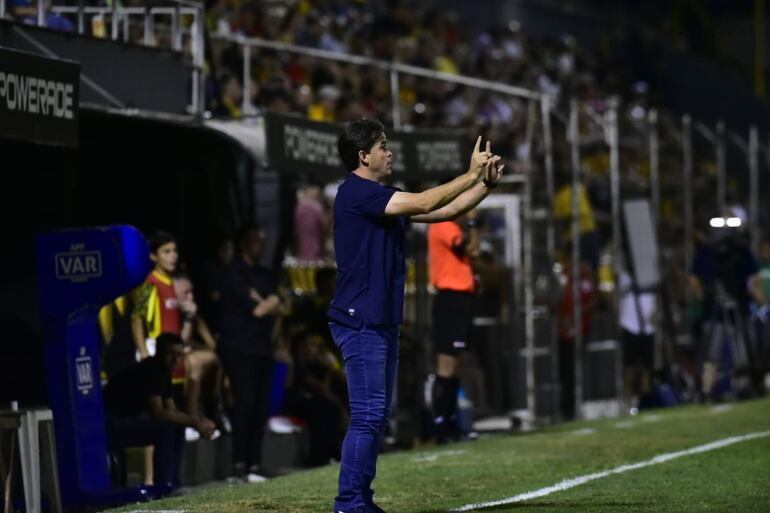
x,y
253,477
216,434
191,434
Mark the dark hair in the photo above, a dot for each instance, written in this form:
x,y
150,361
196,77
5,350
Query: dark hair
x,y
358,136
164,342
246,230
158,239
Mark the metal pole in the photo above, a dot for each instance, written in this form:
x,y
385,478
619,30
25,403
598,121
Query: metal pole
x,y
395,98
148,26
125,27
721,168
246,100
654,148
199,59
617,247
81,22
577,311
545,112
114,20
2,8
176,29
41,21
754,221
528,275
688,221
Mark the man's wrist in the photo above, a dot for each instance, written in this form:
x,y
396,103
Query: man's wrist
x,y
488,183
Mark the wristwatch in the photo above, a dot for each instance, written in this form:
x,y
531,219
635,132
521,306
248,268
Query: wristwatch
x,y
489,184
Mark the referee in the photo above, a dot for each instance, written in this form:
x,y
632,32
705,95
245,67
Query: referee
x,y
449,260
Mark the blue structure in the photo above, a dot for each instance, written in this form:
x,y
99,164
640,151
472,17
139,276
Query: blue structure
x,y
79,272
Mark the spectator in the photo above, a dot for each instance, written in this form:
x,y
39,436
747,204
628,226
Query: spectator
x,y
25,11
200,357
725,279
311,224
157,308
156,311
214,272
325,107
311,398
140,410
249,304
232,96
567,328
562,211
637,321
763,314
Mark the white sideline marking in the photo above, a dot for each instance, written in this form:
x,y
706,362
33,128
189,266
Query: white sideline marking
x,y
584,431
625,424
652,418
157,511
722,408
431,457
576,481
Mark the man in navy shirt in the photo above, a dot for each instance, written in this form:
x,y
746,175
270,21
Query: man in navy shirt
x,y
369,221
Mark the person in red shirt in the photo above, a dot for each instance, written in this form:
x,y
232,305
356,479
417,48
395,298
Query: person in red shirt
x,y
567,331
156,311
450,251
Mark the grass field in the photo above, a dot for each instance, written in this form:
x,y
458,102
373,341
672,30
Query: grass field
x,y
734,478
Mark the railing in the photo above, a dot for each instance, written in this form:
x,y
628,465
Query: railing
x,y
120,22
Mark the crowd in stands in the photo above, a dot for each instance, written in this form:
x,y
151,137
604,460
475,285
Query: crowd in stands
x,y
406,33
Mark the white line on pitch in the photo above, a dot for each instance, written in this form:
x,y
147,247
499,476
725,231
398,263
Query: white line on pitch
x,y
576,481
157,511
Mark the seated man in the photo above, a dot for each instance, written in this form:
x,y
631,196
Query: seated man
x,y
140,410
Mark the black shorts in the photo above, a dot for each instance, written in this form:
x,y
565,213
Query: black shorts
x,y
638,350
452,318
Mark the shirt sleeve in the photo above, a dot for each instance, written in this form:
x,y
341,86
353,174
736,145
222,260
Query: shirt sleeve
x,y
142,300
372,198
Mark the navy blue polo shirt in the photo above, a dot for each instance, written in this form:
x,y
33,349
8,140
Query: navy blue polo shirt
x,y
370,256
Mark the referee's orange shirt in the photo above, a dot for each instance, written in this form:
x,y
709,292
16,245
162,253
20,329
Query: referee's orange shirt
x,y
447,270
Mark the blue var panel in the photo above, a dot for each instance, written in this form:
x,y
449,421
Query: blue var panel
x,y
80,271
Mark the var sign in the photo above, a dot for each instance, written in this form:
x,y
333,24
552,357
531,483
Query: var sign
x,y
78,266
84,372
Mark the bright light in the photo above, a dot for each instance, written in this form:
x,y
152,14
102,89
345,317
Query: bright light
x,y
734,222
717,222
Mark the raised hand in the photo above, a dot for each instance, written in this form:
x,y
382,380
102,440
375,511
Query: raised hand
x,y
480,158
493,171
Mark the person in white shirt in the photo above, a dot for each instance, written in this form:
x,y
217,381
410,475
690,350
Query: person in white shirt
x,y
637,321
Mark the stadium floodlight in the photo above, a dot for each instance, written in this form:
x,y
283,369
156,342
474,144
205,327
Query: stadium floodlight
x,y
717,222
734,222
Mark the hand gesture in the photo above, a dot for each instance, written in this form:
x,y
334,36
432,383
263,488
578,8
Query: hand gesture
x,y
188,308
205,427
254,295
493,171
479,159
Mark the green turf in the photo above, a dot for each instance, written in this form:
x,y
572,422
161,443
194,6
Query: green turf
x,y
733,478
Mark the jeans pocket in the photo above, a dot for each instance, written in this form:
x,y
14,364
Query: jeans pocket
x,y
339,334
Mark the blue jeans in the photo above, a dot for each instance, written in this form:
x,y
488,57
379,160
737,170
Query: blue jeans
x,y
371,363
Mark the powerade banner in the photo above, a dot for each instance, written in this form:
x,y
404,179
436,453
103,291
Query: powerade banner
x,y
298,145
38,99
